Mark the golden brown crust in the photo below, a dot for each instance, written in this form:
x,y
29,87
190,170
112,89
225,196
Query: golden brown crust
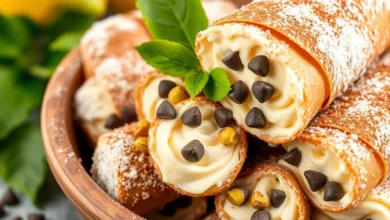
x,y
213,190
142,191
271,169
318,29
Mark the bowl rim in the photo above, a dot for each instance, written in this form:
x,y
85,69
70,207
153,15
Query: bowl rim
x,y
57,128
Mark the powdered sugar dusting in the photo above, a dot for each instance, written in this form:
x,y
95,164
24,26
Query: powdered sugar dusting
x,y
382,191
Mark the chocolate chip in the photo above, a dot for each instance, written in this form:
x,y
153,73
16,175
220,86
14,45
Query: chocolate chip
x,y
277,197
2,212
166,111
183,202
223,117
17,218
333,191
255,118
9,198
233,61
261,215
315,179
113,121
128,114
259,65
239,92
168,210
193,151
293,157
192,117
34,216
165,87
262,91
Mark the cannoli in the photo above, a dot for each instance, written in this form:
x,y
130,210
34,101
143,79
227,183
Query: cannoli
x,y
375,206
188,208
122,167
196,147
269,191
286,60
110,44
153,89
345,152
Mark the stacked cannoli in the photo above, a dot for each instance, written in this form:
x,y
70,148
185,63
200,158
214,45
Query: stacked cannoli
x,y
304,132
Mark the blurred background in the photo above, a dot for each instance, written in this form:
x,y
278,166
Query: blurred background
x,y
34,37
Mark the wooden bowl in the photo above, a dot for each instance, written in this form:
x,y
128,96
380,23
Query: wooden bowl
x,y
63,150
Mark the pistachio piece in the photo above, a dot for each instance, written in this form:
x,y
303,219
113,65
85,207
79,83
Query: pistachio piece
x,y
142,128
237,195
177,95
141,144
258,201
228,136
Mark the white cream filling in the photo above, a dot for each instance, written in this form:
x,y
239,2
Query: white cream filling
x,y
373,207
288,210
217,163
327,162
150,97
283,111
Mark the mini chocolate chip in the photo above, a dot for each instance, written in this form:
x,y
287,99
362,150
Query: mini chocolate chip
x,y
293,157
9,198
168,210
193,151
262,91
166,111
239,92
259,65
128,114
261,215
34,216
223,117
17,218
165,87
113,121
315,179
233,61
183,202
333,191
255,118
2,212
277,197
192,117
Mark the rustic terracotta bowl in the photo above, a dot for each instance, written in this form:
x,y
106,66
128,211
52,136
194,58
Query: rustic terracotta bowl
x,y
67,155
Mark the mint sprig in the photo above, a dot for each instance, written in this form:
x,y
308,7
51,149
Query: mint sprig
x,y
174,24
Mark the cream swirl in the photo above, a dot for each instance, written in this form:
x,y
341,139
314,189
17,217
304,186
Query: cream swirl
x,y
288,210
167,137
285,110
149,97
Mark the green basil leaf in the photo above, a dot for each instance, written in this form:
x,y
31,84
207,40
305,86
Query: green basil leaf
x,y
195,82
169,57
66,42
19,95
174,20
22,160
218,85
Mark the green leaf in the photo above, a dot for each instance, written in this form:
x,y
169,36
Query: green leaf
x,y
195,82
67,41
42,72
169,57
218,85
174,20
22,160
19,95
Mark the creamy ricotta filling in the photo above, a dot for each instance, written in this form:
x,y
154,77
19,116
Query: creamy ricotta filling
x,y
327,162
284,111
288,210
217,163
150,97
